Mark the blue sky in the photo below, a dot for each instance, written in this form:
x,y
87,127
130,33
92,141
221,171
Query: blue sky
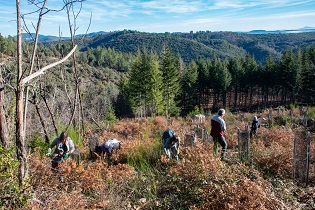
x,y
166,15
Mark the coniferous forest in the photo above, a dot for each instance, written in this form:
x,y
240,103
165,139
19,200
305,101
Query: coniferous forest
x,y
131,86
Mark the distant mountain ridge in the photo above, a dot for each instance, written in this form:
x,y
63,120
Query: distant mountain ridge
x,y
45,38
301,30
205,44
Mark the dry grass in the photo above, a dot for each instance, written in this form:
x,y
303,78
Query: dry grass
x,y
199,181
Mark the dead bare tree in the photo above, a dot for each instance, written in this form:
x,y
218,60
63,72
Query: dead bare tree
x,y
36,103
20,90
20,135
50,113
72,28
3,122
33,54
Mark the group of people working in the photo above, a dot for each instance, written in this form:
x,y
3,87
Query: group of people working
x,y
171,141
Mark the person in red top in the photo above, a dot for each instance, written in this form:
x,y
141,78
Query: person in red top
x,y
218,128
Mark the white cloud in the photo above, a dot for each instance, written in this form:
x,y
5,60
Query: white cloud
x,y
169,15
174,6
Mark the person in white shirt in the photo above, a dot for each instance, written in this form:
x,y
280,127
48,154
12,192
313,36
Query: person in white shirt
x,y
108,146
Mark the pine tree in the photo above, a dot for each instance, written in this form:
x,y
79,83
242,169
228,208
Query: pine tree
x,y
171,81
156,102
308,76
251,77
122,105
288,75
203,82
136,85
237,72
189,87
145,85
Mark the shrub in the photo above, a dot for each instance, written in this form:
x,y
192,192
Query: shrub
x,y
12,196
37,142
145,157
195,111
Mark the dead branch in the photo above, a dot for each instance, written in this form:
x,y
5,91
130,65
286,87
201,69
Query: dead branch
x,y
42,71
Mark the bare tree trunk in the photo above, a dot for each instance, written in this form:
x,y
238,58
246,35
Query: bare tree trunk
x,y
33,59
50,114
42,122
3,122
20,87
72,33
20,147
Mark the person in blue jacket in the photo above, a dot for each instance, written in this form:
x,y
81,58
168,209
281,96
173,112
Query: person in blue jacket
x,y
254,127
171,144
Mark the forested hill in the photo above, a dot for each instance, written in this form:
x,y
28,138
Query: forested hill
x,y
204,43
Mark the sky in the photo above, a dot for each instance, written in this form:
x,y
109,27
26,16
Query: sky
x,y
161,16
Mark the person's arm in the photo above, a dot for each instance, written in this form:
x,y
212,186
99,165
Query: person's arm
x,y
166,143
110,148
178,143
223,126
71,145
53,143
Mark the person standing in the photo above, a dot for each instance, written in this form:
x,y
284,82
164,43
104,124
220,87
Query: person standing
x,y
254,127
64,147
218,127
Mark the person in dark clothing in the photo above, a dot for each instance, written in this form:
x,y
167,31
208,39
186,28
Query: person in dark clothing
x,y
254,127
218,127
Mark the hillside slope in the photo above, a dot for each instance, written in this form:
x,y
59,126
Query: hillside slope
x,y
189,49
191,46
138,176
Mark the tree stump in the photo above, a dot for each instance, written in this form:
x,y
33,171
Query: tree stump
x,y
244,144
93,142
198,132
76,155
190,139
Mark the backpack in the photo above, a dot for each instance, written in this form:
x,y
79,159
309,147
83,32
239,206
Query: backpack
x,y
167,134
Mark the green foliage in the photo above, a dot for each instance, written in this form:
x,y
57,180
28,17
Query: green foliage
x,y
145,85
145,157
110,114
311,112
72,133
75,136
284,120
292,106
194,112
170,81
12,196
38,142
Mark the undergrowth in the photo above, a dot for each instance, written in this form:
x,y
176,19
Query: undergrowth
x,y
139,176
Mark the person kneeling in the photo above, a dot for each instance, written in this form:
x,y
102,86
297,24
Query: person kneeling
x,y
64,147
